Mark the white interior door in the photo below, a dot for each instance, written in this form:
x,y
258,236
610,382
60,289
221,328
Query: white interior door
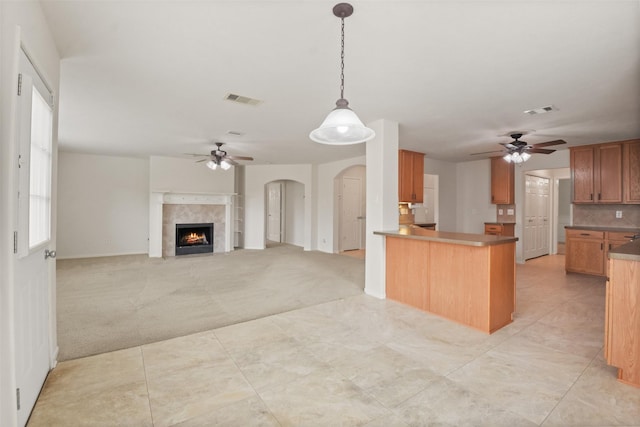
x,y
351,215
536,222
274,211
33,282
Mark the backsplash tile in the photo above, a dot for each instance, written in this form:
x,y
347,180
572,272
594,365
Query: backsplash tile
x,y
605,215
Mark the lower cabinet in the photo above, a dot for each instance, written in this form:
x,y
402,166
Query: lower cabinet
x,y
584,252
587,251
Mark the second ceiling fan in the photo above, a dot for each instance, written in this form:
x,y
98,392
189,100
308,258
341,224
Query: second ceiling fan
x,y
518,151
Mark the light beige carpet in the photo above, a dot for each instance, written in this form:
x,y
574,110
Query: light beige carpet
x,y
111,303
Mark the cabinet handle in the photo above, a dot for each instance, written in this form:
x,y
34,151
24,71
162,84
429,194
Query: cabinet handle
x,y
609,246
599,196
585,234
591,196
601,246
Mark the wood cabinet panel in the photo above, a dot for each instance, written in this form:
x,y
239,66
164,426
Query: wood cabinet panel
x,y
410,176
608,173
502,181
631,172
582,167
622,330
450,293
407,271
584,253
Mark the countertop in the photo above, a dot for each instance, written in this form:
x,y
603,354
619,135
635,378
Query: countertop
x,y
598,228
629,252
448,237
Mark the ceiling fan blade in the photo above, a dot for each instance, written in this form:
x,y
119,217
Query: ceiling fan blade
x,y
540,151
549,143
486,152
508,145
196,155
239,157
200,161
230,161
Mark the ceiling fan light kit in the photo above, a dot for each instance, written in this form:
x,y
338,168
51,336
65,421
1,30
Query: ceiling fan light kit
x,y
342,126
220,159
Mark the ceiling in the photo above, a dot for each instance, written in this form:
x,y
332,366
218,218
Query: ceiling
x,y
148,77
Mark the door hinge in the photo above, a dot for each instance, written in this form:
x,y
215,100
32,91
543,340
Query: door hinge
x,y
19,84
18,398
15,242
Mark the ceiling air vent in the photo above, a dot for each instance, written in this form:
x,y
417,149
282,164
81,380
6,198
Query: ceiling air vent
x,y
242,99
541,110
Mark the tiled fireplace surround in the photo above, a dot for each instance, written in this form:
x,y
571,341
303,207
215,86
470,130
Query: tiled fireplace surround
x,y
168,209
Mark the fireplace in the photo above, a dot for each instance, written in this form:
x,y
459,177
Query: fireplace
x,y
194,238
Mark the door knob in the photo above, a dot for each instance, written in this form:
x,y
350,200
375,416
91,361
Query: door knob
x,y
49,254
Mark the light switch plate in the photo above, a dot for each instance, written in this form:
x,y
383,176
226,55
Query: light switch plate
x,y
500,211
509,211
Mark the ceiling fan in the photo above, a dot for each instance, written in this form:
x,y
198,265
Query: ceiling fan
x,y
220,158
520,151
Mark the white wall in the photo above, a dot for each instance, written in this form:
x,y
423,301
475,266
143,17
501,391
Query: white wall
x,y
256,177
326,209
171,174
20,22
473,196
294,213
103,205
447,181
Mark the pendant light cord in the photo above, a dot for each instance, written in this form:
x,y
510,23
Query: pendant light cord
x,y
342,62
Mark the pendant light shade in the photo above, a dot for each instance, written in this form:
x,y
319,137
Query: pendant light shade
x,y
342,126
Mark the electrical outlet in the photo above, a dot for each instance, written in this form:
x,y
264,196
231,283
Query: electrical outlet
x,y
500,211
509,211
618,214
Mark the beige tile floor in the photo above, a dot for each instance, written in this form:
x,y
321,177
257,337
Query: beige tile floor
x,y
364,361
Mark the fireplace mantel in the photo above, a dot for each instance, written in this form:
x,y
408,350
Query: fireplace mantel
x,y
160,198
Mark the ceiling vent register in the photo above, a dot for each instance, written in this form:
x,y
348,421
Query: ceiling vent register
x,y
242,99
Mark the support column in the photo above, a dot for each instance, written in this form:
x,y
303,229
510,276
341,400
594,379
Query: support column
x,y
382,201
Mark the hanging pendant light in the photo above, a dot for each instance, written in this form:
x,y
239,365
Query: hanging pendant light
x,y
342,126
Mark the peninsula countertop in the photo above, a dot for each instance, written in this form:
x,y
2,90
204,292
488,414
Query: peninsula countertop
x,y
467,239
630,251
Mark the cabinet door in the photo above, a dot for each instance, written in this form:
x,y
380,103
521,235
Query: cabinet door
x,y
417,163
585,256
631,172
609,174
405,177
502,181
582,170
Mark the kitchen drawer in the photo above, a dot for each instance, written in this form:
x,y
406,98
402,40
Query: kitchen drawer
x,y
620,235
585,234
492,228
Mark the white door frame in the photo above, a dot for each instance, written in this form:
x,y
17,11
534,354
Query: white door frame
x,y
269,211
343,223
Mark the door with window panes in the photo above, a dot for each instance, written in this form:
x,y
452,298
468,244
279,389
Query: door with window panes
x,y
33,258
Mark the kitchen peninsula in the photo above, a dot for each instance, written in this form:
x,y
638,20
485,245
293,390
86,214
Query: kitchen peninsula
x,y
622,319
467,278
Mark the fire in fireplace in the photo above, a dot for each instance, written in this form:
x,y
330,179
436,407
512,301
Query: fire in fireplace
x,y
194,238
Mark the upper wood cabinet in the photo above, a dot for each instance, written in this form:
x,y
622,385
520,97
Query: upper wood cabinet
x,y
411,176
502,182
596,172
631,171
